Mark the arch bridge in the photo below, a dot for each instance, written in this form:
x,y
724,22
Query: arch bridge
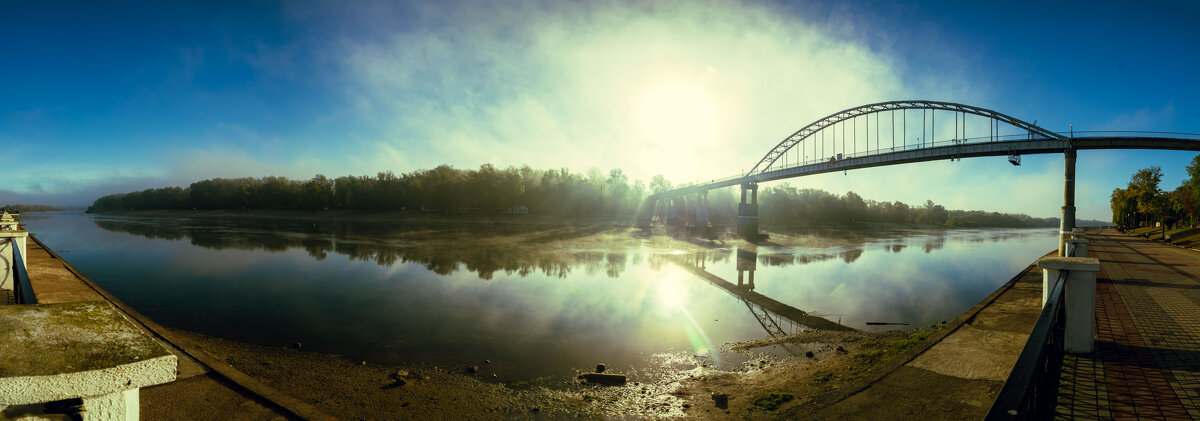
x,y
879,134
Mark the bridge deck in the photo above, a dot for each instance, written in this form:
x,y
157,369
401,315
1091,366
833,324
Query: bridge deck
x,y
1147,363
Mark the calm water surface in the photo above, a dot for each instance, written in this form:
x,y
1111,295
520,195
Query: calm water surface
x,y
351,289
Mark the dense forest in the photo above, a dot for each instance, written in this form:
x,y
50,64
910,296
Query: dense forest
x,y
543,192
1143,203
27,208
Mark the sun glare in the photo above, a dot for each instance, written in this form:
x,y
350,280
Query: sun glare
x,y
672,292
677,116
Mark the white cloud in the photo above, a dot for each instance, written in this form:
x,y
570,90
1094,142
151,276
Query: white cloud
x,y
560,85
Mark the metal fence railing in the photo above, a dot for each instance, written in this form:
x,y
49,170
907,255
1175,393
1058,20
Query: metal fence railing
x,y
22,290
1031,391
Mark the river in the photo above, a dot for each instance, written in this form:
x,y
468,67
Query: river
x,y
538,302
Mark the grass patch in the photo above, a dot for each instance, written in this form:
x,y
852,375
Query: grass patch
x,y
1144,230
771,401
1187,237
874,357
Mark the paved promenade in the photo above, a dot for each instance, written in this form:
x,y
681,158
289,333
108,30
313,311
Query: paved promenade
x,y
1147,359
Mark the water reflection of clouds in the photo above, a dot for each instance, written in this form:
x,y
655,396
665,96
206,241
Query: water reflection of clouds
x,y
354,292
903,287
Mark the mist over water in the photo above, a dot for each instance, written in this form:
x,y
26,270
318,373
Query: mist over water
x,y
542,306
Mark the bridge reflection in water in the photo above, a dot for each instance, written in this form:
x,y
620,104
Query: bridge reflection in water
x,y
777,318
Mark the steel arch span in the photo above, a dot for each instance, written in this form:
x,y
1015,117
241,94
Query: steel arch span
x,y
851,113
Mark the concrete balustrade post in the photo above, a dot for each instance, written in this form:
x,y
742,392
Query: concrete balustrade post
x,y
1078,247
11,240
1079,298
118,406
8,223
86,350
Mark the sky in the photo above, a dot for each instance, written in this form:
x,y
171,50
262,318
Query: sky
x,y
108,97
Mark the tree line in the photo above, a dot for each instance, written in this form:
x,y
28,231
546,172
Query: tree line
x,y
442,189
786,205
1143,203
27,208
543,192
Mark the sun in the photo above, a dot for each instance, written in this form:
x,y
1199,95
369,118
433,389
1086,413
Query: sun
x,y
677,116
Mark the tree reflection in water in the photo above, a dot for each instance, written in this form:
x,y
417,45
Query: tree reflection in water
x,y
380,244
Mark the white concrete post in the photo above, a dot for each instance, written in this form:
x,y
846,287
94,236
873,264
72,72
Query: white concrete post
x,y
8,240
117,406
1078,233
1049,281
1078,247
1079,298
120,359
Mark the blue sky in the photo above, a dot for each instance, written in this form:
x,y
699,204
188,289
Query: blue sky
x,y
98,98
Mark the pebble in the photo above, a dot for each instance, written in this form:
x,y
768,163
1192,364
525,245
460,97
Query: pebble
x,y
808,354
473,369
721,400
600,368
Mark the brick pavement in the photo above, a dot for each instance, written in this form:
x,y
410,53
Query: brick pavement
x,y
1147,359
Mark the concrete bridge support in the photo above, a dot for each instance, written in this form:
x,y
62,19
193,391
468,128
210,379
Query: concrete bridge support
x,y
1067,224
702,210
747,261
748,212
672,211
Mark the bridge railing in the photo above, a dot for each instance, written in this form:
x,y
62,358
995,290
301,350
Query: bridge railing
x,y
707,182
1128,133
1031,390
784,163
787,160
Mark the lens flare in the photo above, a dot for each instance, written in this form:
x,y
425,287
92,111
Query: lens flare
x,y
673,293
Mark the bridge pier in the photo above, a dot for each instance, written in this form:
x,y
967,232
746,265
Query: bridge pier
x,y
747,261
1067,223
748,212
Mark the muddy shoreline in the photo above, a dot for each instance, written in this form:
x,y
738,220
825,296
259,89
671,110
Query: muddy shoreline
x,y
763,386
